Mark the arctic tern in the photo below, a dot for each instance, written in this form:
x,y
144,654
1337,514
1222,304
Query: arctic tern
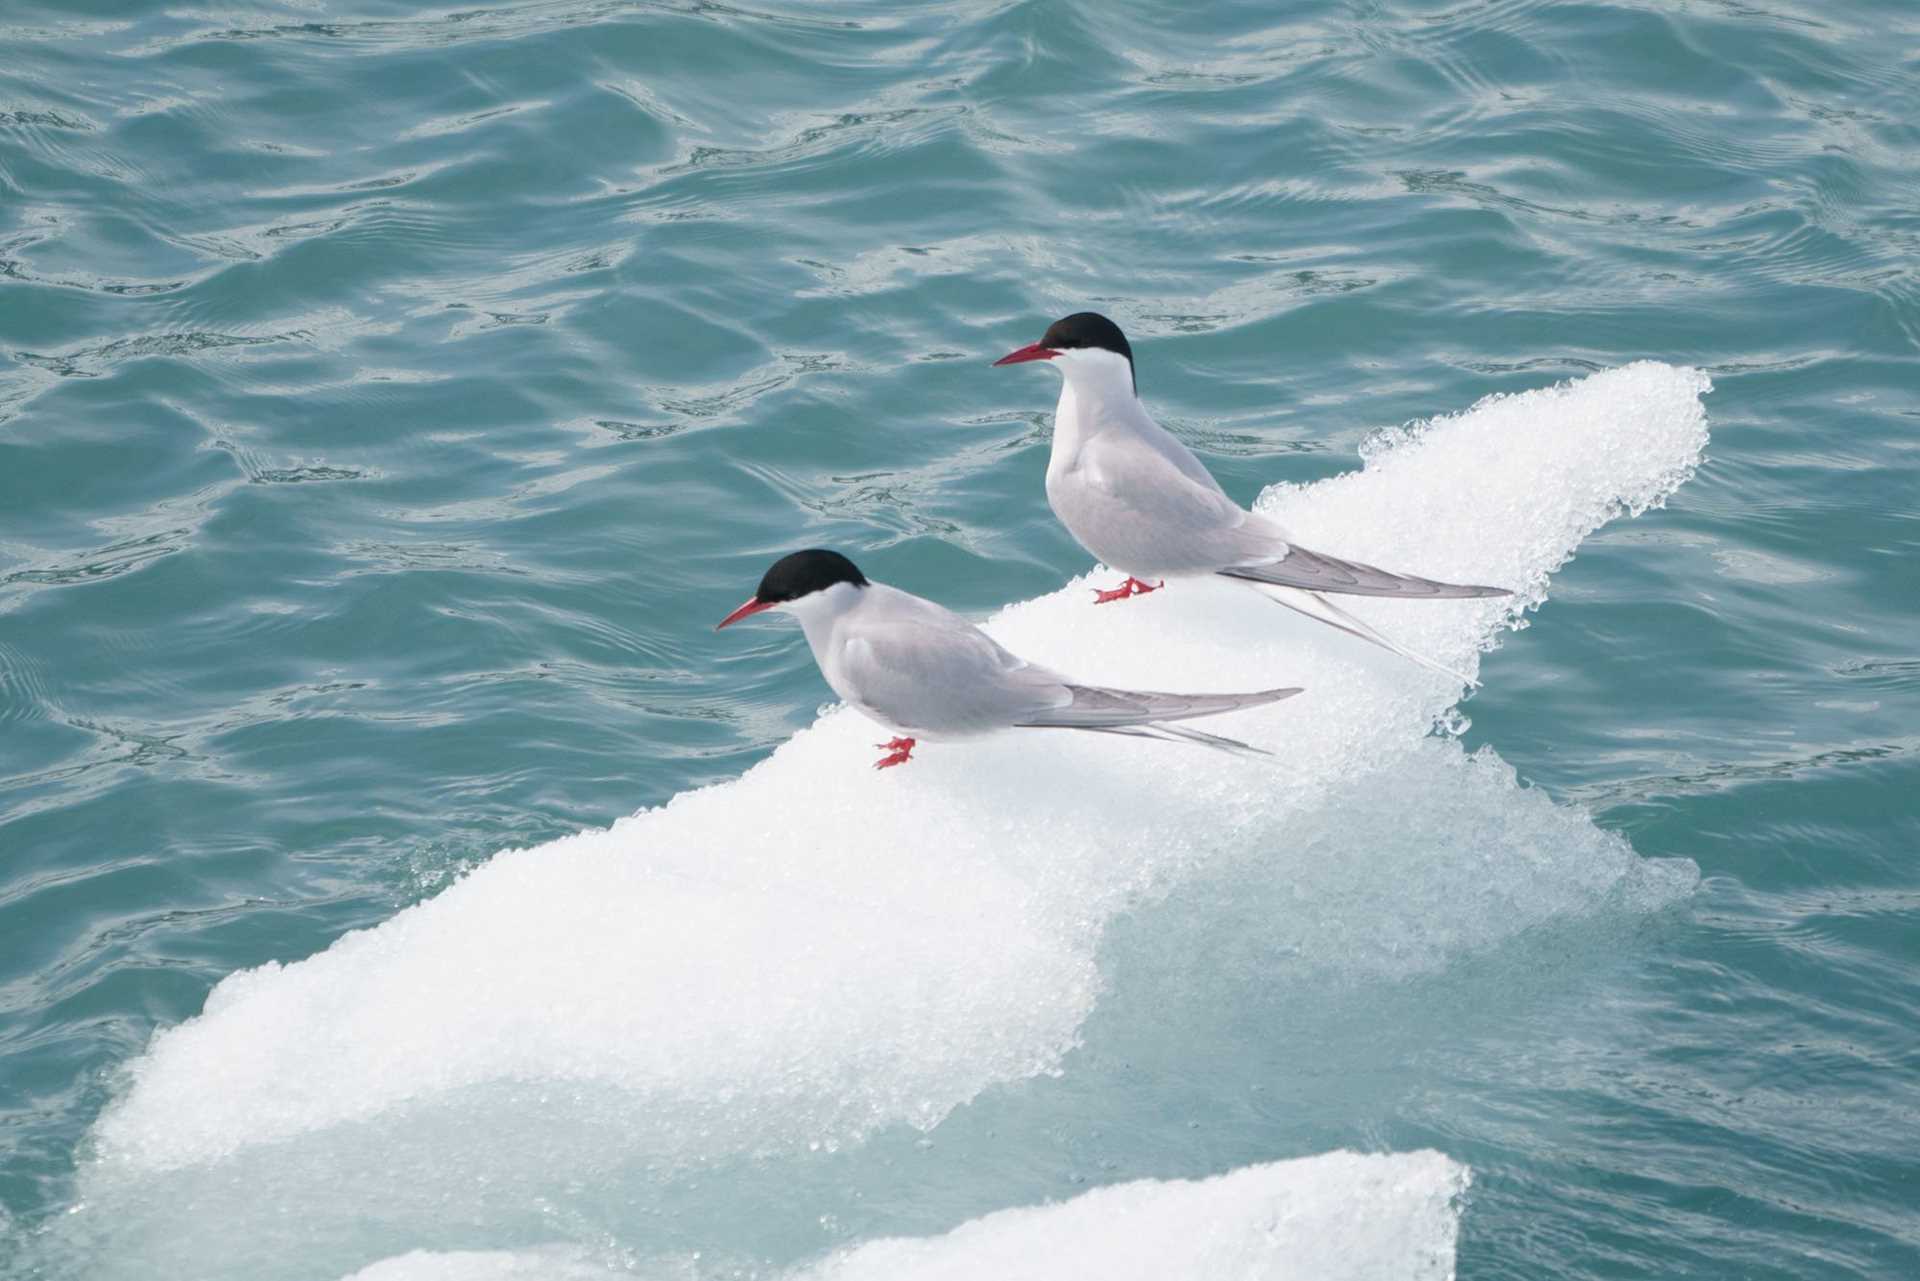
x,y
924,672
1141,502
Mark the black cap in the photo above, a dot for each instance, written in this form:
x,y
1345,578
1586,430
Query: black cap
x,y
807,572
1088,329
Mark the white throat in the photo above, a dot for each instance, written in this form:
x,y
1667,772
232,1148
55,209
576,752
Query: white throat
x,y
819,612
1096,392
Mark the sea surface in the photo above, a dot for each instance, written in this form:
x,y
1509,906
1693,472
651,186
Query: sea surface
x,y
392,397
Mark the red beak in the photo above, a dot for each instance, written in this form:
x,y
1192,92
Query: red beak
x,y
753,606
1032,351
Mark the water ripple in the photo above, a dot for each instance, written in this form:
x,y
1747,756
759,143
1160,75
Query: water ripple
x,y
412,388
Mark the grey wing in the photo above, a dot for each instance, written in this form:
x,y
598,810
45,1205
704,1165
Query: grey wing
x,y
1317,572
1175,451
1164,483
1097,707
931,669
1138,509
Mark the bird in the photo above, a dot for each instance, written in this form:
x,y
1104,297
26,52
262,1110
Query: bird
x,y
923,672
1140,501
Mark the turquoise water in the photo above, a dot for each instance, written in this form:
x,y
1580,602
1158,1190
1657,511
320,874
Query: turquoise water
x,y
391,399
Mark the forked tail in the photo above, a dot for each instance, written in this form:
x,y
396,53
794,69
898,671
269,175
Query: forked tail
x,y
1318,572
1180,734
1319,608
1146,713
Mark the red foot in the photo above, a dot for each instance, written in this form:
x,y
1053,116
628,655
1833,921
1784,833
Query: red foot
x,y
1132,587
898,752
